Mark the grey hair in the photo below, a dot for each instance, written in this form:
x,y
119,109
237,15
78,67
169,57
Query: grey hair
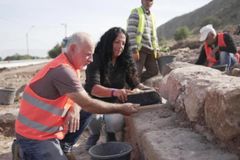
x,y
79,39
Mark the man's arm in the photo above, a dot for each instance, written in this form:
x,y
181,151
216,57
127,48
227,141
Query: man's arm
x,y
132,29
97,106
202,57
230,45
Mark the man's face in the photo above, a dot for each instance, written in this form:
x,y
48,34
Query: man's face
x,y
147,4
210,39
83,55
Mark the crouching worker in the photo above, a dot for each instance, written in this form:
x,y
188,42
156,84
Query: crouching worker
x,y
51,95
111,77
218,48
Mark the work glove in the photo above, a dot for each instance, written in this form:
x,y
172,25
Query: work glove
x,y
156,54
136,55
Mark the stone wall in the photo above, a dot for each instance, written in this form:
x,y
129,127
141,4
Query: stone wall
x,y
205,94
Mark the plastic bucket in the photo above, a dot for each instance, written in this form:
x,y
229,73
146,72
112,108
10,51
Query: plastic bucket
x,y
111,151
163,60
7,95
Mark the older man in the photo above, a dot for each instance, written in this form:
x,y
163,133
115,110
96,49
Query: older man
x,y
218,48
143,40
49,97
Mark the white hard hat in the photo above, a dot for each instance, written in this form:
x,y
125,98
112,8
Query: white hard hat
x,y
204,31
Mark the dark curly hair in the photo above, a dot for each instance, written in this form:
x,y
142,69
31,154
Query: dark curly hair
x,y
105,46
104,51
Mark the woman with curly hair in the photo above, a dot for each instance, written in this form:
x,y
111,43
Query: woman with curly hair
x,y
110,77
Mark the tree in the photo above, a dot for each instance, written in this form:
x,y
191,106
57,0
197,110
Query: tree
x,y
216,22
0,58
182,33
55,51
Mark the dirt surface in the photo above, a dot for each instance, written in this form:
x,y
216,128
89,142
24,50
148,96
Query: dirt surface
x,y
17,78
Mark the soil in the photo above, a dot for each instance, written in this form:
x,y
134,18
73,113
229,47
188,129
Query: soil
x,y
17,78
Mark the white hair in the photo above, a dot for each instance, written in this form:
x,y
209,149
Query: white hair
x,y
79,39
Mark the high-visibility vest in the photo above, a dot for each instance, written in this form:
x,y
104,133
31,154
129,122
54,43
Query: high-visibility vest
x,y
208,50
140,30
41,118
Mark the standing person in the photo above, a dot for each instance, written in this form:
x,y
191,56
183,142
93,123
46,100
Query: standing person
x,y
49,97
218,48
143,39
110,77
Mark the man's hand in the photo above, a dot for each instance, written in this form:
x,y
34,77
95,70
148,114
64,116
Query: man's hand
x,y
157,54
136,55
121,94
128,108
73,118
214,51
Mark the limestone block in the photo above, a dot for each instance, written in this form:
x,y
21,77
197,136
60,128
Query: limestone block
x,y
181,144
222,111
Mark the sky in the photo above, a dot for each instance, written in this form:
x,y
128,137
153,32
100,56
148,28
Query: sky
x,y
46,22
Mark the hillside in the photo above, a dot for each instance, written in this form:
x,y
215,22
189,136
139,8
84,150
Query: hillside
x,y
221,11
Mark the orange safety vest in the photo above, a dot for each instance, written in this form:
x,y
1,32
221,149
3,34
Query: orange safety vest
x,y
40,118
208,50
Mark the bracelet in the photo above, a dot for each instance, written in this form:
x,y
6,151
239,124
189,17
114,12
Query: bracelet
x,y
112,92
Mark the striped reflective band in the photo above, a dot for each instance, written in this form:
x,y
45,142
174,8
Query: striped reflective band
x,y
38,126
47,107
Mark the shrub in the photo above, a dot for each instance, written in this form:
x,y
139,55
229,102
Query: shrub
x,y
216,22
55,51
163,47
182,33
17,56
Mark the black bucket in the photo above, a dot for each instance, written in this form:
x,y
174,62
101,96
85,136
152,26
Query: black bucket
x,y
7,95
162,61
111,151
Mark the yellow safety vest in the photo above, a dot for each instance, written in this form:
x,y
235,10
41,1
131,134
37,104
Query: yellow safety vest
x,y
141,24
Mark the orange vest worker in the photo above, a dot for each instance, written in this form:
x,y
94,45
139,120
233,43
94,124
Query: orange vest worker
x,y
208,50
40,118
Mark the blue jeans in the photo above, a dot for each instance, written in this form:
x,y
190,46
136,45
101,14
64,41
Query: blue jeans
x,y
39,150
52,149
71,138
227,58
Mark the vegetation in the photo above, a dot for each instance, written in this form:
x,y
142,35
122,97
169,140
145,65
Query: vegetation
x,y
182,33
55,51
163,46
220,13
216,22
0,58
17,56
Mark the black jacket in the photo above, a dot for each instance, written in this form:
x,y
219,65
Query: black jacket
x,y
230,48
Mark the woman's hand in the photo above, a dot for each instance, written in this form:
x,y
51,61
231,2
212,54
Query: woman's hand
x,y
121,94
143,87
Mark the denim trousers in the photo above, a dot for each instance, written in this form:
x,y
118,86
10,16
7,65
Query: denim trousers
x,y
71,138
52,149
39,150
227,58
